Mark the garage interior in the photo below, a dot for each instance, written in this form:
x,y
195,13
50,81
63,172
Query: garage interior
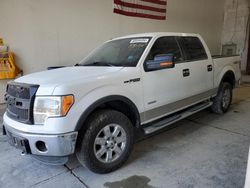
x,y
204,150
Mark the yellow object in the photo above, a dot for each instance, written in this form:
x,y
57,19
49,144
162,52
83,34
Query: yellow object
x,y
67,102
1,42
8,69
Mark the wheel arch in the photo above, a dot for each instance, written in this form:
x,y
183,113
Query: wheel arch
x,y
229,77
116,102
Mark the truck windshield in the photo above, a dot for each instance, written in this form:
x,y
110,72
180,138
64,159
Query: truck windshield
x,y
122,52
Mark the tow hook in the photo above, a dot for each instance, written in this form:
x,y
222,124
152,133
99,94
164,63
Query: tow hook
x,y
23,153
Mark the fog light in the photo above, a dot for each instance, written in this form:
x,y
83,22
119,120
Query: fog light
x,y
41,146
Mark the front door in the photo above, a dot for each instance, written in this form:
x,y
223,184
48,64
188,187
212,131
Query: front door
x,y
162,88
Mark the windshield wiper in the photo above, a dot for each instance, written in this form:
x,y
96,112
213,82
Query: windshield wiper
x,y
97,63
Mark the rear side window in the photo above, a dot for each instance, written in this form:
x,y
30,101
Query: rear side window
x,y
193,48
166,45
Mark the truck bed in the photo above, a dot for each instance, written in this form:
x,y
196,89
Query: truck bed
x,y
223,63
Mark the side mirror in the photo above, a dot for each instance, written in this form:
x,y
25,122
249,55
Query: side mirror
x,y
161,61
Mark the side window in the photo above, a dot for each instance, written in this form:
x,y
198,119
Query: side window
x,y
166,45
193,48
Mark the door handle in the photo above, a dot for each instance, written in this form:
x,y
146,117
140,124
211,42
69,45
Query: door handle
x,y
209,68
186,72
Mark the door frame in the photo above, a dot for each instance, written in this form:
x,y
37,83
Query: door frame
x,y
248,55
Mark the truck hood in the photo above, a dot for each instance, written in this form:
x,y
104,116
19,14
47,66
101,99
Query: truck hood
x,y
53,78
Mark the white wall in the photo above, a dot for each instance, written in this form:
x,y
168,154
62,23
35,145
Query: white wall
x,y
43,33
235,26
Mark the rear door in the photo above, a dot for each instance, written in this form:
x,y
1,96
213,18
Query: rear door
x,y
200,67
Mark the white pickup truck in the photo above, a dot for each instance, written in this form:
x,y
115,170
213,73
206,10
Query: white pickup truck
x,y
129,87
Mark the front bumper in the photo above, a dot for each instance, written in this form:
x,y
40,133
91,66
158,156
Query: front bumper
x,y
42,144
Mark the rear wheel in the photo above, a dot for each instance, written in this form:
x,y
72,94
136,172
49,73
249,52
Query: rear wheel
x,y
222,102
107,143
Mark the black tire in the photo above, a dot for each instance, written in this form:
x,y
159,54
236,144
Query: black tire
x,y
86,153
218,106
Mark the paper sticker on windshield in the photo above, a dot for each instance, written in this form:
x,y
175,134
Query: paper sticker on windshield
x,y
139,41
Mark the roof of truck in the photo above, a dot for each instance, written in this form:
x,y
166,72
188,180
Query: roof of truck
x,y
157,34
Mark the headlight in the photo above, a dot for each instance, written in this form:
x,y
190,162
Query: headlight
x,y
53,106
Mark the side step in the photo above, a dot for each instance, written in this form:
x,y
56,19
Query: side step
x,y
176,117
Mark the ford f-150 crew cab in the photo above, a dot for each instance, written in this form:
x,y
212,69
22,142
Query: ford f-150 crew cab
x,y
130,86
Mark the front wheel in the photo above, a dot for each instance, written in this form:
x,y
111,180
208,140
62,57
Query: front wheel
x,y
107,143
223,100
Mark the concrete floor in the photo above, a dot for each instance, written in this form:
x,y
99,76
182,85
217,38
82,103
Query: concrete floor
x,y
205,150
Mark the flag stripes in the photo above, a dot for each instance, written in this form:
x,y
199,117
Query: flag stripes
x,y
153,9
138,6
156,2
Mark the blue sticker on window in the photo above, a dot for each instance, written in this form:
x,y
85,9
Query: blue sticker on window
x,y
130,57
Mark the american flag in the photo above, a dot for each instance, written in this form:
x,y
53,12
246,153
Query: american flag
x,y
153,9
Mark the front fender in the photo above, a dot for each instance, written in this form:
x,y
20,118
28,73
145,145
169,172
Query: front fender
x,y
101,95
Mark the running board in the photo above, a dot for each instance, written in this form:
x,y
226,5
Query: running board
x,y
176,117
